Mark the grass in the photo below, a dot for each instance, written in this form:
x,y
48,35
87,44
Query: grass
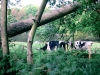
x,y
96,45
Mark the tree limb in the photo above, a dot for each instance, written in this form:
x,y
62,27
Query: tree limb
x,y
25,25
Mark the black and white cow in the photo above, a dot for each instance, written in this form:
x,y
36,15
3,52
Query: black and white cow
x,y
84,45
52,45
81,45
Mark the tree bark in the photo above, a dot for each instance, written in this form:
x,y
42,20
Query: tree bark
x,y
25,25
33,30
4,38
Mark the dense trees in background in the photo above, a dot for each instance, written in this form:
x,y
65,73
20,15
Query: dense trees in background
x,y
30,10
16,14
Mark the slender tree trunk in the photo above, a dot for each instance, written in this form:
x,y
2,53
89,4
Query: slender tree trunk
x,y
89,51
73,39
4,37
33,30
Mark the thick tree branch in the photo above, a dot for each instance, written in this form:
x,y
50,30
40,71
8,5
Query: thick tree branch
x,y
25,25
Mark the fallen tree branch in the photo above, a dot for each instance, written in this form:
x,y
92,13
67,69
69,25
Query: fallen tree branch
x,y
25,25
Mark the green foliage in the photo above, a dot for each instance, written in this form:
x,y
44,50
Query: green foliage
x,y
48,31
1,64
89,22
52,63
10,19
87,2
30,10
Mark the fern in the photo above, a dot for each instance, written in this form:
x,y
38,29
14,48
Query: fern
x,y
52,63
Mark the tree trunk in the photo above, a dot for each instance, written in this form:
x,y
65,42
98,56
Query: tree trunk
x,y
33,30
4,37
25,25
73,39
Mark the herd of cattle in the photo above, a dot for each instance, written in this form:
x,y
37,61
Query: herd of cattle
x,y
79,45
